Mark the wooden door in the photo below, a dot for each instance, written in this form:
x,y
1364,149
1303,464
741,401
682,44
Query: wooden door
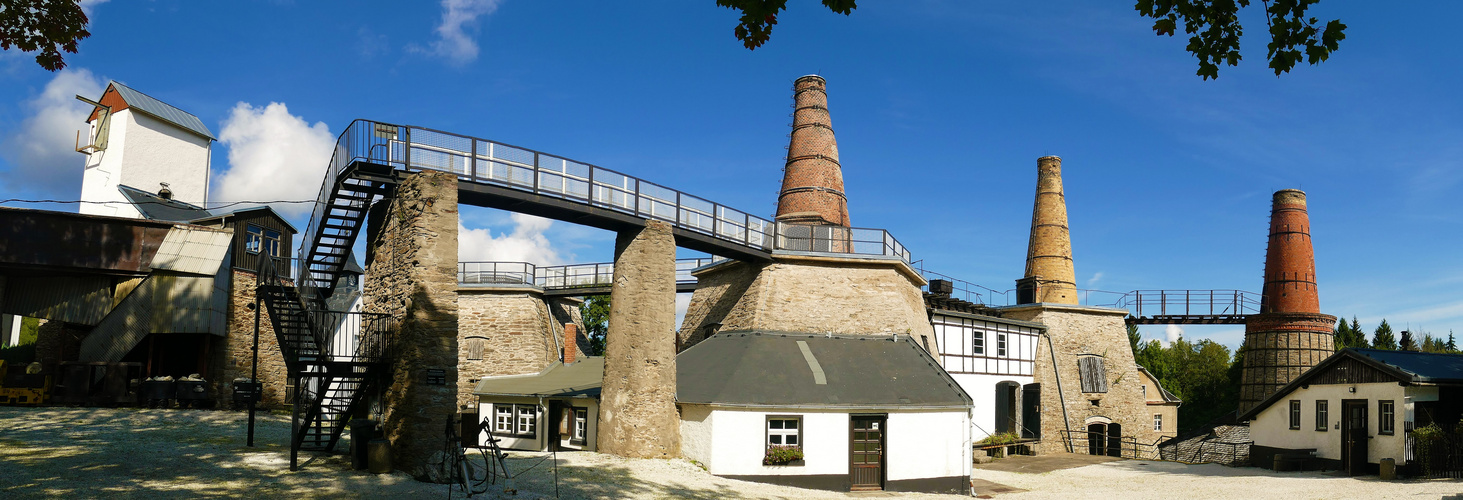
x,y
1354,436
866,457
1114,440
1096,439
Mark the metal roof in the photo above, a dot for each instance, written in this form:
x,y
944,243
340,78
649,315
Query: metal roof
x,y
774,369
582,378
155,207
161,110
1407,367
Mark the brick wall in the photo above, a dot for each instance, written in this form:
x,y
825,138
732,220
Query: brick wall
x,y
812,182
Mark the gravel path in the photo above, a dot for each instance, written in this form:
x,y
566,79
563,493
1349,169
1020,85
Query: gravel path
x,y
1134,479
91,452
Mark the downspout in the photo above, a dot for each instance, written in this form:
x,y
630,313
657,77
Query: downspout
x,y
1066,421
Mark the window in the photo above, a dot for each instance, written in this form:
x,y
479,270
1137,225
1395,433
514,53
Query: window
x,y
1001,345
1144,389
1157,422
258,239
475,346
977,343
1295,414
503,419
581,425
784,431
527,420
1387,421
1322,415
1093,372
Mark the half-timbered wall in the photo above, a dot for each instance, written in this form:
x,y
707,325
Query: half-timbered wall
x,y
984,346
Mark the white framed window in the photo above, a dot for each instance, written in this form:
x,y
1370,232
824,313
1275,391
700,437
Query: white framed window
x,y
1323,419
502,419
977,342
1001,344
527,421
1387,423
1157,422
785,430
1295,414
581,425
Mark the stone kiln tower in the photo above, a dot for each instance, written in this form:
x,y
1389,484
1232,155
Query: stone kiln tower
x,y
812,181
1289,335
1049,274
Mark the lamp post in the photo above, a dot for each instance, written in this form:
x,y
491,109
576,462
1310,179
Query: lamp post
x,y
254,385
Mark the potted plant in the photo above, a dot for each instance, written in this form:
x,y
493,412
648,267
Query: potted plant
x,y
783,455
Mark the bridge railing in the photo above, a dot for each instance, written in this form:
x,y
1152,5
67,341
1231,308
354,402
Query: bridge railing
x,y
1144,303
839,240
560,277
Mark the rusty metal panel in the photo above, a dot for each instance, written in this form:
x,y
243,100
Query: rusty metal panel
x,y
40,241
74,299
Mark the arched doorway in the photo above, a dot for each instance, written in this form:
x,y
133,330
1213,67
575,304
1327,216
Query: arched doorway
x,y
1104,437
1007,418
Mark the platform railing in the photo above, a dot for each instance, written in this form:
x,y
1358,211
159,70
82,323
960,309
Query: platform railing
x,y
1144,303
560,277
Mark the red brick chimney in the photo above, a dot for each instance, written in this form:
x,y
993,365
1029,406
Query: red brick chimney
x,y
1289,335
812,181
1290,263
571,336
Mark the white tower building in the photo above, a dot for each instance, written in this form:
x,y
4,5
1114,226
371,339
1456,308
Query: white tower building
x,y
141,142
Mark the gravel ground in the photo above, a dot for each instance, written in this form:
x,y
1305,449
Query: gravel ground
x,y
1134,479
90,452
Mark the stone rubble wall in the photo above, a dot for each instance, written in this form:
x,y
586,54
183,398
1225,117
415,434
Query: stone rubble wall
x,y
1074,331
637,413
522,334
717,291
412,277
233,354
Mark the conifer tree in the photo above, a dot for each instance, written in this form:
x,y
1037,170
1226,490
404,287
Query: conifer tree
x,y
1342,335
1358,335
1383,338
1406,343
1452,346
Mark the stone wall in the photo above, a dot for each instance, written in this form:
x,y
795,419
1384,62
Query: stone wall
x,y
518,330
1079,331
846,295
637,413
233,354
413,278
58,341
1280,347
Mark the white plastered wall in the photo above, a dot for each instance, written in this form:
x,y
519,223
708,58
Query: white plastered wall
x,y
1272,426
142,152
982,390
538,443
918,444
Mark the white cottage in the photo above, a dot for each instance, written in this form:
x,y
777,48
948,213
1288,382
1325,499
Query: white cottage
x,y
557,406
824,411
1358,407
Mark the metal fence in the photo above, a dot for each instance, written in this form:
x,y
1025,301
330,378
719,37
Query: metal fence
x,y
560,277
839,240
1190,302
1097,443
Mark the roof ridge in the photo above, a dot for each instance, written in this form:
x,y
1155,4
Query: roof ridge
x,y
149,96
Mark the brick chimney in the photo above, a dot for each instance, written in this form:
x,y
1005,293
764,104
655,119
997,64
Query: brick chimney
x,y
1289,335
571,337
812,180
1049,274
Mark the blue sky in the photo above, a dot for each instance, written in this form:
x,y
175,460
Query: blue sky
x,y
941,109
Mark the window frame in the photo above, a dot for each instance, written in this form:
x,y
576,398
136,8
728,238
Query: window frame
x,y
500,426
1157,422
768,432
1001,345
580,431
1386,417
1295,414
1323,415
1098,372
977,342
519,412
262,240
253,239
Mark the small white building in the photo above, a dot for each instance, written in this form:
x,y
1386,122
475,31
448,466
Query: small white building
x,y
136,140
864,412
993,359
1358,407
531,412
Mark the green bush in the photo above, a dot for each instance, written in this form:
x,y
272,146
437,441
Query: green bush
x,y
781,455
1000,438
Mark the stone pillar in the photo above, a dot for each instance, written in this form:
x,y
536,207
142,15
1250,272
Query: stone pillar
x,y
1049,252
637,412
413,277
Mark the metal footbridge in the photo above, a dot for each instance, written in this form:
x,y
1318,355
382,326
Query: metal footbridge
x,y
1145,307
371,157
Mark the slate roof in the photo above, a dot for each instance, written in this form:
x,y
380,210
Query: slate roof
x,y
156,208
161,110
1168,397
1408,367
775,369
581,378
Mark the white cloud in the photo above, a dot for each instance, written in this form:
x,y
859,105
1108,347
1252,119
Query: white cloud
x,y
273,155
42,151
526,243
1092,282
89,6
456,34
683,302
1171,333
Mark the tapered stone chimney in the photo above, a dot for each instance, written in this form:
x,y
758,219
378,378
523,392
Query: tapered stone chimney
x,y
812,181
1049,274
1289,335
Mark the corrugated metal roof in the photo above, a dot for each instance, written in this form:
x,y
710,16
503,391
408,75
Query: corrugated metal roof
x,y
579,379
782,369
161,110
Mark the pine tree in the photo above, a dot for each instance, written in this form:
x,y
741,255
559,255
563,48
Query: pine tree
x,y
1452,346
1342,335
1358,336
1406,343
1383,338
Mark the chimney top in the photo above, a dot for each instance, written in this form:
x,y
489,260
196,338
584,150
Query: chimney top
x,y
165,193
812,178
